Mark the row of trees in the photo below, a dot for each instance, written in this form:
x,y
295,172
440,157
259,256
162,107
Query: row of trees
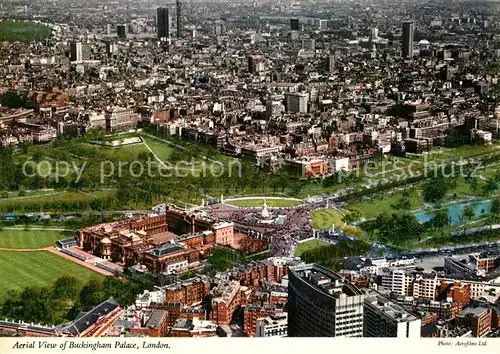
x,y
396,229
332,256
66,298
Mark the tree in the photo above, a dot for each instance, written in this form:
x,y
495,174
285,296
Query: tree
x,y
411,227
353,216
440,221
435,190
493,219
473,184
65,288
4,194
36,305
403,204
489,188
468,213
91,294
495,206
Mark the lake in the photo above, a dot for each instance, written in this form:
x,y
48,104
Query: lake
x,y
455,212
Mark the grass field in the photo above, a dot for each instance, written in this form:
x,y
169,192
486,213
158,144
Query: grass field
x,y
259,202
55,197
306,246
123,153
324,218
382,204
19,270
23,31
30,239
162,150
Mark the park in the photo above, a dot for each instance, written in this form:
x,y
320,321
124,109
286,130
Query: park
x,y
23,31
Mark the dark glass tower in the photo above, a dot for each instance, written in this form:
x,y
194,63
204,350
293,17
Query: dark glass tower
x,y
163,22
408,37
179,14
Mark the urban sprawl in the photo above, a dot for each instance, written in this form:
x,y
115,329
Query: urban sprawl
x,y
249,169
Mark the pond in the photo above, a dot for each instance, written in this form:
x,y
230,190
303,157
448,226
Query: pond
x,y
455,212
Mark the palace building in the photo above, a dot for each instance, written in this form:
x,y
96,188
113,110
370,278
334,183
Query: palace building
x,y
155,241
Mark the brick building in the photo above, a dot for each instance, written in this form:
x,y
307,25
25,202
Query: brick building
x,y
443,309
227,297
477,319
149,241
189,292
487,261
253,313
271,270
454,292
154,324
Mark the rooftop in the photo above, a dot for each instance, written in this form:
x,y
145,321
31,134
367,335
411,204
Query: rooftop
x,y
165,250
388,308
325,281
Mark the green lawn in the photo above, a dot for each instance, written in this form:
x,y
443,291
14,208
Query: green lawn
x,y
61,197
306,246
259,202
30,239
15,194
162,150
23,31
463,188
123,153
382,204
490,172
19,270
324,218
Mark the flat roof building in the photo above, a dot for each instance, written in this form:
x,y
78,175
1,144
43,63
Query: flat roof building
x,y
384,318
273,326
322,303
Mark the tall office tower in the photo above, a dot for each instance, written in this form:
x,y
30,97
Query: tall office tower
x,y
321,303
384,318
255,64
297,102
76,51
121,31
330,63
408,37
110,48
294,24
108,29
163,22
374,34
86,52
219,29
179,20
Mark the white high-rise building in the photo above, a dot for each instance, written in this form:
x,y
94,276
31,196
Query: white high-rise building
x,y
272,326
384,318
395,281
297,102
76,51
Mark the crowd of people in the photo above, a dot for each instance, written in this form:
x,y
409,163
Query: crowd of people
x,y
294,226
